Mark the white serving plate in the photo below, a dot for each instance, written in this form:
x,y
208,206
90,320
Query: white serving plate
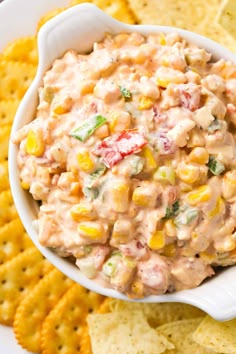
x,y
19,18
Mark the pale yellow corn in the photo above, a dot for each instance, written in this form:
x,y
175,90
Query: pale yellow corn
x,y
196,139
169,250
81,212
92,231
145,102
141,197
229,185
157,240
34,143
121,232
63,107
227,245
218,209
199,195
119,121
137,289
85,162
150,161
102,132
188,173
87,87
170,228
162,39
199,155
25,185
120,197
206,256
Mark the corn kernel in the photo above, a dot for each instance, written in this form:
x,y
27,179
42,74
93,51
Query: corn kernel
x,y
87,87
120,197
62,107
196,139
25,185
169,250
150,161
144,196
227,245
188,173
162,39
75,188
119,121
218,209
199,195
121,233
91,231
206,256
170,228
145,102
157,240
199,155
34,143
85,162
137,289
229,185
165,174
82,212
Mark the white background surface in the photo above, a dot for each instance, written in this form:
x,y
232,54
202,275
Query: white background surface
x,y
19,18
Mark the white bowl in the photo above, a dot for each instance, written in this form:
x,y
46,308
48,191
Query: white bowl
x,y
78,28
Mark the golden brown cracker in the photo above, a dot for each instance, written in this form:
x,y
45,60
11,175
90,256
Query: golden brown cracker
x,y
85,341
119,9
5,132
7,208
4,180
36,305
13,240
17,277
8,110
48,16
23,50
16,78
64,332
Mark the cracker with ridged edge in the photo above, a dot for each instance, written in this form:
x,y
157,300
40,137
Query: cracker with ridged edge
x,y
4,180
8,110
180,334
7,208
5,132
16,78
23,50
48,16
119,9
35,307
62,332
226,16
17,277
13,240
85,341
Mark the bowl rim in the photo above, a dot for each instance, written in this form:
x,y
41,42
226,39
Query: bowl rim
x,y
21,198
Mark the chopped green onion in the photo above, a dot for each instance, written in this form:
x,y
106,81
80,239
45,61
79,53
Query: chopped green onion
x,y
88,127
172,211
89,182
125,92
137,163
110,266
165,174
90,193
187,216
215,125
215,166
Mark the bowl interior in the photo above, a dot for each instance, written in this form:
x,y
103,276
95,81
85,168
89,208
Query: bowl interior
x,y
78,28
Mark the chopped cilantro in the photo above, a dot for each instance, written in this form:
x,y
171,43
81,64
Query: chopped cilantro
x,y
172,211
216,167
125,92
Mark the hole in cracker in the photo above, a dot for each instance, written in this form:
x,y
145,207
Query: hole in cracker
x,y
60,347
75,328
56,327
90,310
21,289
3,281
26,78
23,269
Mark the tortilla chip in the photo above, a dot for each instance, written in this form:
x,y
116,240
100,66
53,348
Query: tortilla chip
x,y
36,306
5,132
16,78
48,16
22,49
7,208
125,332
85,341
8,110
4,180
158,314
180,334
64,332
227,17
17,278
119,9
13,240
217,336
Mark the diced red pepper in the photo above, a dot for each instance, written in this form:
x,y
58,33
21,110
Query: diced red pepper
x,y
190,96
114,148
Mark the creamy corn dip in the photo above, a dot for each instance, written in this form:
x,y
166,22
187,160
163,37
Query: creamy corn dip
x,y
132,156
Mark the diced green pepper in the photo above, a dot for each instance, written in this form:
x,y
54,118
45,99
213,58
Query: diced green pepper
x,y
215,166
110,266
125,92
215,125
90,193
100,170
187,216
88,127
172,211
